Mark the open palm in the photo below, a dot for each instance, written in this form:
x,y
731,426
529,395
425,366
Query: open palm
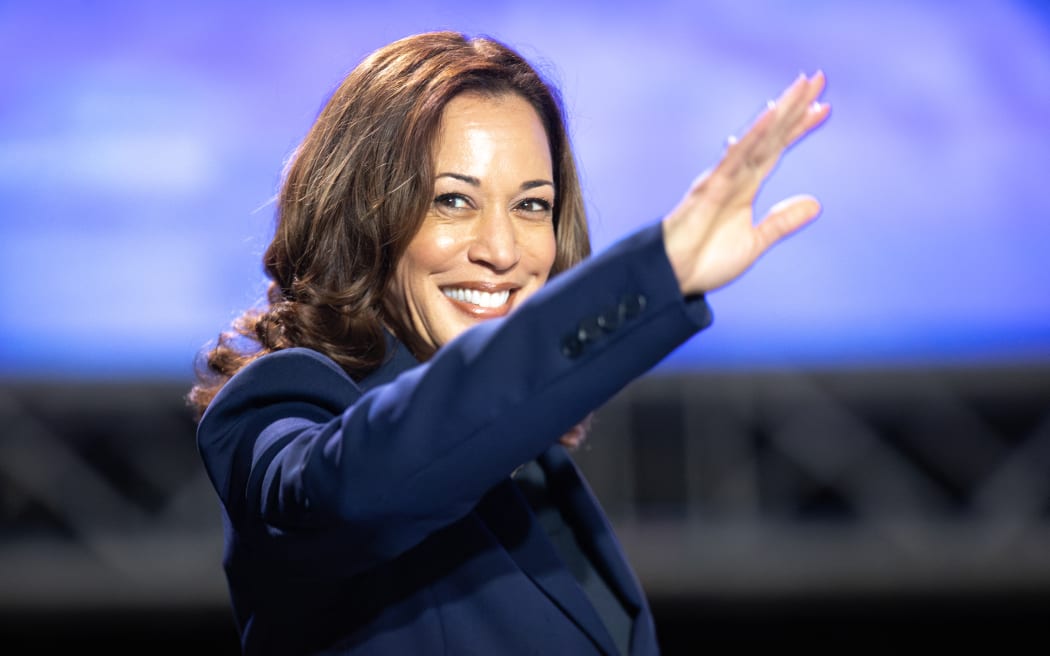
x,y
711,236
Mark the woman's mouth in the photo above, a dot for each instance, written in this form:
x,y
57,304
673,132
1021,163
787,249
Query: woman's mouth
x,y
480,303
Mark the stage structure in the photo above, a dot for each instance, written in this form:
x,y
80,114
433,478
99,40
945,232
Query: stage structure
x,y
729,490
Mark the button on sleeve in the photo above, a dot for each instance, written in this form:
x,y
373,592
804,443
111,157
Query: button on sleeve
x,y
631,305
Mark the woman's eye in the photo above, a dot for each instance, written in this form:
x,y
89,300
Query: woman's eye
x,y
452,201
535,205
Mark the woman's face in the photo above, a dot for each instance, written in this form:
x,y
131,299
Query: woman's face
x,y
487,241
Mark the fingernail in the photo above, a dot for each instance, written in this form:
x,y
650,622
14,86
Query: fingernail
x,y
771,104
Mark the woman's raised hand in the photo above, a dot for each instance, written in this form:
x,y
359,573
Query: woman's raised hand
x,y
710,236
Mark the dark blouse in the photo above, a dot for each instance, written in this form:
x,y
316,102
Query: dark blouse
x,y
558,525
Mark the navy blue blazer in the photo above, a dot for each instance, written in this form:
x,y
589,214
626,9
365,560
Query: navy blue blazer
x,y
379,517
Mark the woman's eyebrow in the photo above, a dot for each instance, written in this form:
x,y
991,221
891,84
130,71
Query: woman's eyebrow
x,y
532,184
471,180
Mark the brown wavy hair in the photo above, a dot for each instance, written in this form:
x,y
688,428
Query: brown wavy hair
x,y
355,193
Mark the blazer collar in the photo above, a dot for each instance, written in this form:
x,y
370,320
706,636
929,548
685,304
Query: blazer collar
x,y
398,360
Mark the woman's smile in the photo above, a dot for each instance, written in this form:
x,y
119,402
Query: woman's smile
x,y
481,300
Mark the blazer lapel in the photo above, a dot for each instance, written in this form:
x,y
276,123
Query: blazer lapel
x,y
508,515
598,537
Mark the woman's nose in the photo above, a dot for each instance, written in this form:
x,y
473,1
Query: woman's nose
x,y
495,242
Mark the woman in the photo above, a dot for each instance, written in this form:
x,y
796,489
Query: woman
x,y
384,433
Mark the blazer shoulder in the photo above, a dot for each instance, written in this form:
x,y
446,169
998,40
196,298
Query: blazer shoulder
x,y
288,375
291,361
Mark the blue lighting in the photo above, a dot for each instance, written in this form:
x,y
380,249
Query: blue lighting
x,y
140,146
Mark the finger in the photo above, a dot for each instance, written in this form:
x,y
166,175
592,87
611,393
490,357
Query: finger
x,y
794,110
816,114
800,113
771,132
785,218
808,94
787,98
742,154
796,97
790,92
813,112
751,158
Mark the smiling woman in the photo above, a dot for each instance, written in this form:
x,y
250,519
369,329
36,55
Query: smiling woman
x,y
386,433
360,185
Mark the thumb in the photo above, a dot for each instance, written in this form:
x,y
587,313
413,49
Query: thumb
x,y
786,218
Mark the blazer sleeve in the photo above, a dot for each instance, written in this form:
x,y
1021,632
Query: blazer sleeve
x,y
303,458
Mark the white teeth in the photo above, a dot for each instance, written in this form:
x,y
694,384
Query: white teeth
x,y
479,298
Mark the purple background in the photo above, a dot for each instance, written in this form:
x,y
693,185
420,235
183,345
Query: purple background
x,y
141,144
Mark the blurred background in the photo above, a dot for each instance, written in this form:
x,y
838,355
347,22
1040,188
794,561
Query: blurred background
x,y
858,448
